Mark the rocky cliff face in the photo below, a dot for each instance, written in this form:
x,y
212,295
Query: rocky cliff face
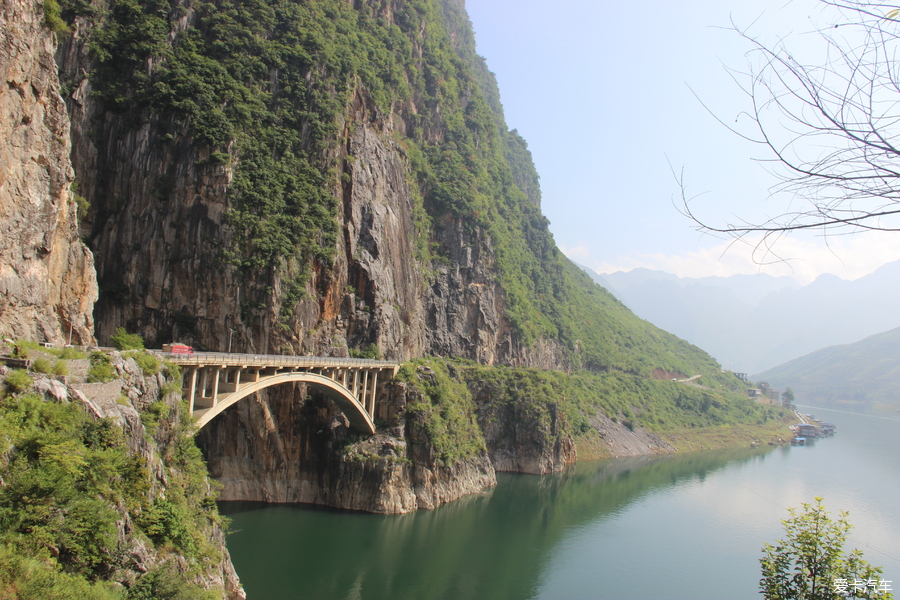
x,y
293,448
522,440
160,232
47,280
156,223
379,293
160,229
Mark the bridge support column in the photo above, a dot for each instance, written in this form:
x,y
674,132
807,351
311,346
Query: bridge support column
x,y
371,408
204,380
365,388
192,388
215,390
231,379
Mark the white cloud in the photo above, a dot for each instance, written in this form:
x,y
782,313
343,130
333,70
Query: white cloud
x,y
803,258
579,252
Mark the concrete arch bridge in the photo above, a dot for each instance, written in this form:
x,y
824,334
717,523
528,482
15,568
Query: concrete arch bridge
x,y
213,381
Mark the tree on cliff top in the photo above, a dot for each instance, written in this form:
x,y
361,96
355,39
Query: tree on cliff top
x,y
828,130
810,564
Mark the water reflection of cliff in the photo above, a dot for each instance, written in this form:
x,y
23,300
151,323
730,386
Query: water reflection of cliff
x,y
487,546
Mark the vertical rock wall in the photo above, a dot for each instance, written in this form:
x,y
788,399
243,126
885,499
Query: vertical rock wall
x,y
287,447
156,223
47,280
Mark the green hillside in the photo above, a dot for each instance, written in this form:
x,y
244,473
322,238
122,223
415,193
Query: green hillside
x,y
864,373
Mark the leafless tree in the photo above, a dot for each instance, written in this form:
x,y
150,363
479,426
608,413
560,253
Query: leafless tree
x,y
829,131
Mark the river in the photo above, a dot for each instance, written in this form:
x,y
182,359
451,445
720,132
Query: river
x,y
688,526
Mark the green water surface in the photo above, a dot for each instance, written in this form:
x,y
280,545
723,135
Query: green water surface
x,y
685,526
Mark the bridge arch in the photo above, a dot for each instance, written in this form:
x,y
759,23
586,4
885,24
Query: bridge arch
x,y
213,381
339,394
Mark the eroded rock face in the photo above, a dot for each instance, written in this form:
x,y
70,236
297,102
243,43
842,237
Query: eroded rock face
x,y
47,281
281,447
379,294
157,220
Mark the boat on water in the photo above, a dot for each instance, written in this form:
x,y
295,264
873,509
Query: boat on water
x,y
808,430
806,433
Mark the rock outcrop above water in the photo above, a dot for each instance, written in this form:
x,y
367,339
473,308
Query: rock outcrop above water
x,y
320,462
439,440
47,280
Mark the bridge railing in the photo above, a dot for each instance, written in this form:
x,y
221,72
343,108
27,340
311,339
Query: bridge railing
x,y
232,358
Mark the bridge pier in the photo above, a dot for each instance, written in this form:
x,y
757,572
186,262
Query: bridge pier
x,y
371,407
191,388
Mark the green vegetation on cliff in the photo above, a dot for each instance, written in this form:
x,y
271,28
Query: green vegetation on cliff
x,y
657,405
446,411
461,401
79,505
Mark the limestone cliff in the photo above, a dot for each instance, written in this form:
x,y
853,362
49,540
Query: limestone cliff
x,y
47,280
160,231
298,449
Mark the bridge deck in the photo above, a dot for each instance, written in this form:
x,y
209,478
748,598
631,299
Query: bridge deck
x,y
234,359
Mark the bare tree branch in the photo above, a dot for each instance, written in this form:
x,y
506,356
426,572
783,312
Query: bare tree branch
x,y
830,131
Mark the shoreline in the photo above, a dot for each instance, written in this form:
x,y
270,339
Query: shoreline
x,y
643,442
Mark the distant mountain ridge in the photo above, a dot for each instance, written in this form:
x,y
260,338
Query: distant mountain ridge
x,y
863,373
751,323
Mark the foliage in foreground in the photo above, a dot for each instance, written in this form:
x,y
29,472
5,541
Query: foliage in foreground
x,y
67,478
810,564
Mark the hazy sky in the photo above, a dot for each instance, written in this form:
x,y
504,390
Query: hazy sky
x,y
602,93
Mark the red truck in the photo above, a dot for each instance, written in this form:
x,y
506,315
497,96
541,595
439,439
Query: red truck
x,y
177,349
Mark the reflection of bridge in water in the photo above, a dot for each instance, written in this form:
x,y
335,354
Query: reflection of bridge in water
x,y
213,381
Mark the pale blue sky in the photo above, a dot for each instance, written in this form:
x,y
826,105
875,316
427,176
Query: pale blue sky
x,y
600,91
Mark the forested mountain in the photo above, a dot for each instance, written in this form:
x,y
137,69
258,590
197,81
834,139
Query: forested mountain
x,y
323,177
